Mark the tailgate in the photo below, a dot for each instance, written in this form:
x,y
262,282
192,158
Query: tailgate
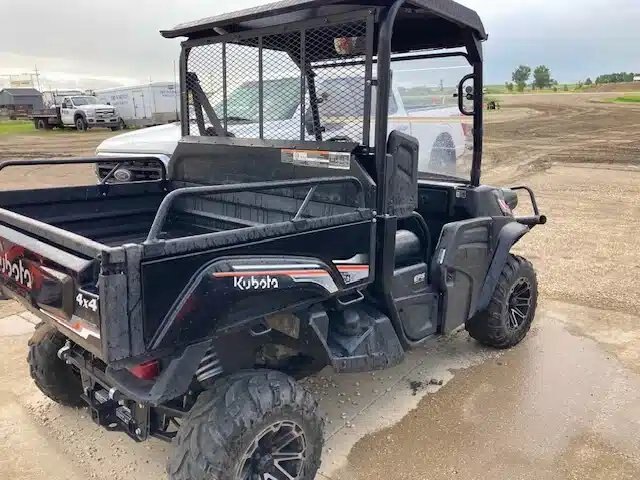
x,y
56,285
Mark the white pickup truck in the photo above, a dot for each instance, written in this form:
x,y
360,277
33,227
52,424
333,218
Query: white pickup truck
x,y
78,111
439,128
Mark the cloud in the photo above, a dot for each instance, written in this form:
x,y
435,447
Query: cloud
x,y
575,38
119,42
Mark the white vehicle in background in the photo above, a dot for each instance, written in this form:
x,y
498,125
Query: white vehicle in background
x,y
155,103
439,128
159,141
78,111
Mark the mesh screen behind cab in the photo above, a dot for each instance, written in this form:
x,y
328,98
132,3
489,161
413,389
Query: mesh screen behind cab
x,y
261,87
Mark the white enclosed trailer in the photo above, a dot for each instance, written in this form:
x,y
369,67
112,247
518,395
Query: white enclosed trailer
x,y
144,105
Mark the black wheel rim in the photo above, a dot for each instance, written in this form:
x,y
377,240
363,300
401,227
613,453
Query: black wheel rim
x,y
276,453
519,303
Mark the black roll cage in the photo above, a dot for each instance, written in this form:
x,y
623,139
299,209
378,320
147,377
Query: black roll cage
x,y
384,18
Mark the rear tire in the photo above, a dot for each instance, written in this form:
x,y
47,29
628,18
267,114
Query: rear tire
x,y
51,375
512,307
234,429
443,156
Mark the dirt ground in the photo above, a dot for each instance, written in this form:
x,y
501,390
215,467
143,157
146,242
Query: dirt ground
x,y
49,144
565,404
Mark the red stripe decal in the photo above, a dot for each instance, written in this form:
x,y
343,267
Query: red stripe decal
x,y
352,268
296,273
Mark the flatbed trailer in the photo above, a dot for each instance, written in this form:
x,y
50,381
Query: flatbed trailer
x,y
47,119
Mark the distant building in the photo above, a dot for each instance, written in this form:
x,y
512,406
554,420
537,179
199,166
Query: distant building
x,y
19,102
636,78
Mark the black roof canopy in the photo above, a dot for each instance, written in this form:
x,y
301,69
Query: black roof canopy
x,y
419,25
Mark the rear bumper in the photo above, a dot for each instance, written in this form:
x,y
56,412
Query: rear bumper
x,y
173,381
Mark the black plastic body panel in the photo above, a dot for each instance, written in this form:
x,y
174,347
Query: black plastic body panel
x,y
215,160
50,281
459,268
186,273
416,303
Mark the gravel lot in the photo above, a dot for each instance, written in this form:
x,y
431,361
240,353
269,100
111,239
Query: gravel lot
x,y
564,404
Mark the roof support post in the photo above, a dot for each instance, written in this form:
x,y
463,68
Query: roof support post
x,y
474,48
385,34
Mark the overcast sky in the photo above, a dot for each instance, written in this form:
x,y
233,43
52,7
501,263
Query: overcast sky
x,y
98,44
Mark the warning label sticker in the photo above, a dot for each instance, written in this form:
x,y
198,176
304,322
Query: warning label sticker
x,y
318,159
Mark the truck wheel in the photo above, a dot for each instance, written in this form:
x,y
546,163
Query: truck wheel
x,y
443,156
251,425
512,307
120,126
81,124
52,376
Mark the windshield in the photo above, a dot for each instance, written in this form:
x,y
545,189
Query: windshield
x,y
281,98
78,101
428,90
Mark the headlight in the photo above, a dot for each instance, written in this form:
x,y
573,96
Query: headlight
x,y
123,175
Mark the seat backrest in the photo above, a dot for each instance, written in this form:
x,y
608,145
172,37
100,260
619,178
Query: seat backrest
x,y
416,224
402,186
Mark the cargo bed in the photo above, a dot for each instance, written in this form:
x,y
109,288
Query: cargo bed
x,y
77,255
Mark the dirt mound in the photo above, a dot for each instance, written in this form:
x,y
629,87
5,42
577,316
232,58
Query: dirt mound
x,y
616,87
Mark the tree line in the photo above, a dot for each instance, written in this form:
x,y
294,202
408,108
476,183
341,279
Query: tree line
x,y
615,78
542,79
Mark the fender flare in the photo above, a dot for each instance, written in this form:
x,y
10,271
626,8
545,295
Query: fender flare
x,y
171,383
79,113
507,238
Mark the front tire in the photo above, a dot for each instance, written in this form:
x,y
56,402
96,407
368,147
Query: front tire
x,y
119,126
512,307
255,424
81,124
51,375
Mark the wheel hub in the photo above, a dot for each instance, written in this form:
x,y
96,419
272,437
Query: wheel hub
x,y
276,453
263,462
519,303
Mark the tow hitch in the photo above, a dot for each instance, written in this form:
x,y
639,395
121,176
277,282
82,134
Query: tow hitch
x,y
118,414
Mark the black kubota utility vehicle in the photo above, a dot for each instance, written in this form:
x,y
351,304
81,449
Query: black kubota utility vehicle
x,y
184,308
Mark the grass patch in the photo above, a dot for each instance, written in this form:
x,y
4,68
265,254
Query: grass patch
x,y
14,127
628,99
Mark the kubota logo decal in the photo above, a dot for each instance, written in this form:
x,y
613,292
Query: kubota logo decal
x,y
16,271
266,282
15,266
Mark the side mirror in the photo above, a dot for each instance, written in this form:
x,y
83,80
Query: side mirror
x,y
466,95
64,105
308,122
469,92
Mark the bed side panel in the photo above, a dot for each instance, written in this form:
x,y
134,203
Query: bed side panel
x,y
222,301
